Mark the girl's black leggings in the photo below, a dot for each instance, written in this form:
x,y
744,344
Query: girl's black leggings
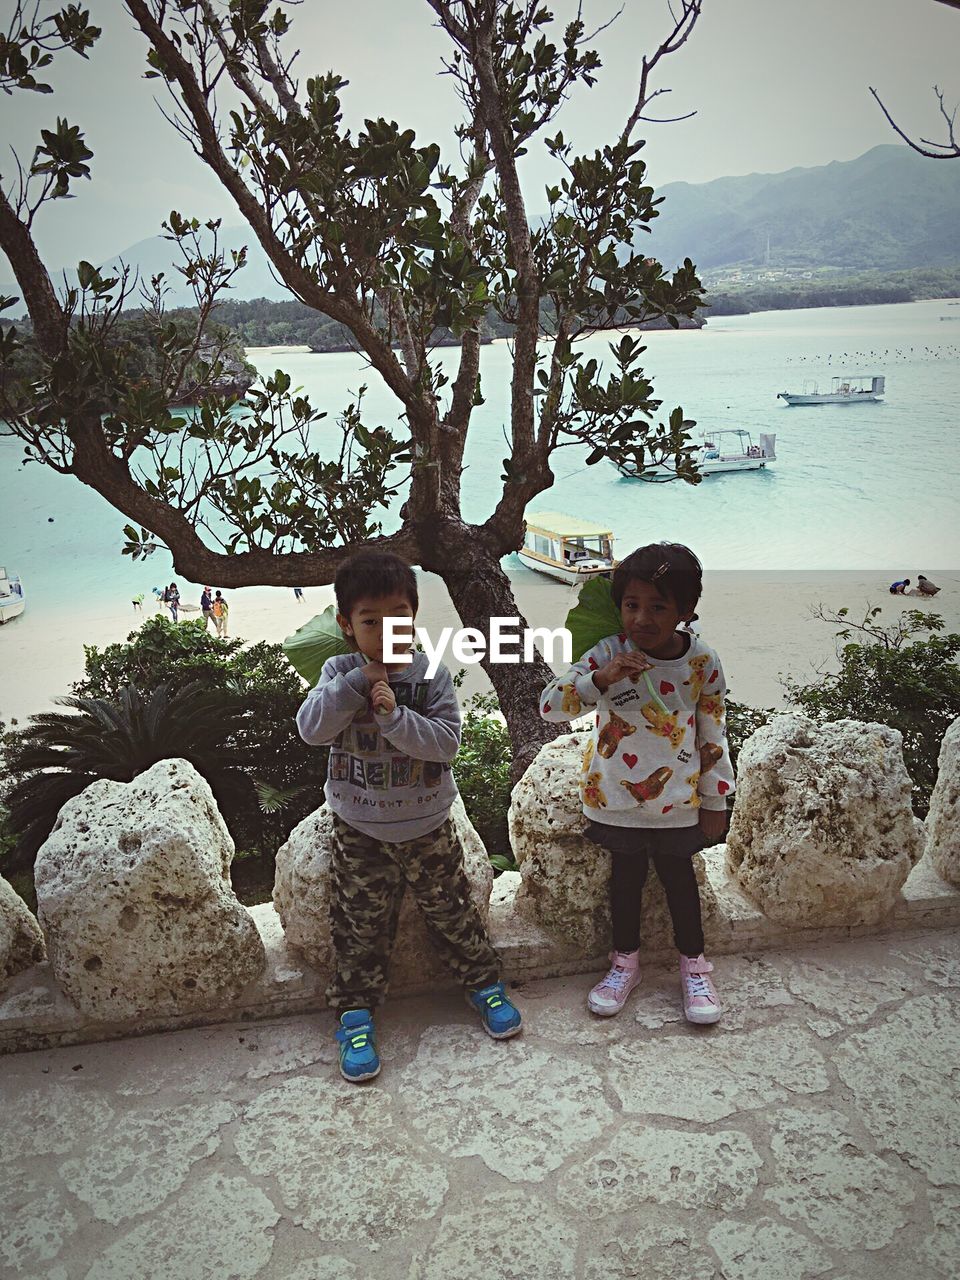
x,y
671,851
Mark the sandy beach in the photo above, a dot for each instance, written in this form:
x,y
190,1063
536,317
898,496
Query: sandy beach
x,y
760,622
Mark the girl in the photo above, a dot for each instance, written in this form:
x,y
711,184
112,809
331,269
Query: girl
x,y
656,773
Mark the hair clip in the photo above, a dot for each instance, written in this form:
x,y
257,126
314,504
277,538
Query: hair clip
x,y
659,572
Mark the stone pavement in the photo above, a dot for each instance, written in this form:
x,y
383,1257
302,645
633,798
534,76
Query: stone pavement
x,y
814,1133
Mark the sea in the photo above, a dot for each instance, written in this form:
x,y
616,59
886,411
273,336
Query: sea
x,y
854,486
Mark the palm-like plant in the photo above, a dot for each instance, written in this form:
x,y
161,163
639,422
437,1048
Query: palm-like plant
x,y
58,754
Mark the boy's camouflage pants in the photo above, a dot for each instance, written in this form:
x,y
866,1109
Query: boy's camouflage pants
x,y
367,880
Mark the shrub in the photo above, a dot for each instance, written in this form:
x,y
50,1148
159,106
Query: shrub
x,y
888,677
283,776
158,651
742,721
287,775
60,753
482,769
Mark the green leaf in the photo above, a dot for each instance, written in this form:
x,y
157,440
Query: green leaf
x,y
502,863
316,641
593,616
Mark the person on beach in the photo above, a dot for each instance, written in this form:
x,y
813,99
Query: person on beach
x,y
138,603
656,773
899,588
221,613
298,593
171,598
925,587
392,733
206,608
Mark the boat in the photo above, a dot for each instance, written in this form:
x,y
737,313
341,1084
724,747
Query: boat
x,y
12,602
842,391
731,449
566,547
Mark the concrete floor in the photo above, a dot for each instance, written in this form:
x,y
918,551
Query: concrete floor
x,y
814,1133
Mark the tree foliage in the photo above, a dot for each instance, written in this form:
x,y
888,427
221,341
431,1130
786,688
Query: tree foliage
x,y
482,769
174,691
60,753
888,676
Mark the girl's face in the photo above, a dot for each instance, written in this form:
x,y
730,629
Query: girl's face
x,y
651,620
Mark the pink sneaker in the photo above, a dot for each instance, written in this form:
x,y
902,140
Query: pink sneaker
x,y
701,1004
609,996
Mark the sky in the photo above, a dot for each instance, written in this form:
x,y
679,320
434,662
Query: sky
x,y
774,84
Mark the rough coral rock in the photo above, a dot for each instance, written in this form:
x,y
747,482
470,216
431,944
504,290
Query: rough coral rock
x,y
565,882
21,942
943,819
134,898
823,832
301,897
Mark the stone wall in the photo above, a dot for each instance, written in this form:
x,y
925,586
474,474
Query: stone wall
x,y
143,931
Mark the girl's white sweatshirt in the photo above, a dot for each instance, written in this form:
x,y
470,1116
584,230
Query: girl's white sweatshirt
x,y
658,750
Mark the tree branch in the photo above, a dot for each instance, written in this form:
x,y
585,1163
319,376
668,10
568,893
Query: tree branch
x,y
949,150
293,273
48,317
682,30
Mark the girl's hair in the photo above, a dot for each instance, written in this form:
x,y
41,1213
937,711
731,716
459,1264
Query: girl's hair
x,y
372,575
671,567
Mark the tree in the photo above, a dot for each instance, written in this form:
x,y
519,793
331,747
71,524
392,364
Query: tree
x,y
374,232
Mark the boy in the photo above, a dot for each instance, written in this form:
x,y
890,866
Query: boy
x,y
657,772
392,734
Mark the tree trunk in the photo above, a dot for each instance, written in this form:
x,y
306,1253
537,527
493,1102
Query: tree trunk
x,y
480,590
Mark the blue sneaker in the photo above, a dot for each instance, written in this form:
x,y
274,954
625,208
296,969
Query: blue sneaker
x,y
500,1018
358,1051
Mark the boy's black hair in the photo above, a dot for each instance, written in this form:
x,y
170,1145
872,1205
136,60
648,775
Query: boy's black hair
x,y
669,566
373,575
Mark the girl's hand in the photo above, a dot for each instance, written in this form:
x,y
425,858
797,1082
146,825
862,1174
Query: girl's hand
x,y
713,824
621,667
381,695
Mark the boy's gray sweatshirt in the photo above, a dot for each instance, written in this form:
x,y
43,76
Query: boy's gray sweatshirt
x,y
389,776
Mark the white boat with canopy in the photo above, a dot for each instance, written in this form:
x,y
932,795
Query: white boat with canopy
x,y
566,547
842,391
730,449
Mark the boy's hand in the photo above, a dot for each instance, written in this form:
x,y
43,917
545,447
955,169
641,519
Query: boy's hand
x,y
620,667
374,673
382,697
713,824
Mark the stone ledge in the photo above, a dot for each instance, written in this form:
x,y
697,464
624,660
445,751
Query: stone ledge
x,y
35,1014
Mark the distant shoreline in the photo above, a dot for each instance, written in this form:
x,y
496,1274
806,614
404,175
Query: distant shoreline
x,y
303,349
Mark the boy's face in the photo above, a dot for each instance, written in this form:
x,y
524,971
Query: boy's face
x,y
650,620
365,624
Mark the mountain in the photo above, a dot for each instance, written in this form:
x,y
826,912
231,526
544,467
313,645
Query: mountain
x,y
888,209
